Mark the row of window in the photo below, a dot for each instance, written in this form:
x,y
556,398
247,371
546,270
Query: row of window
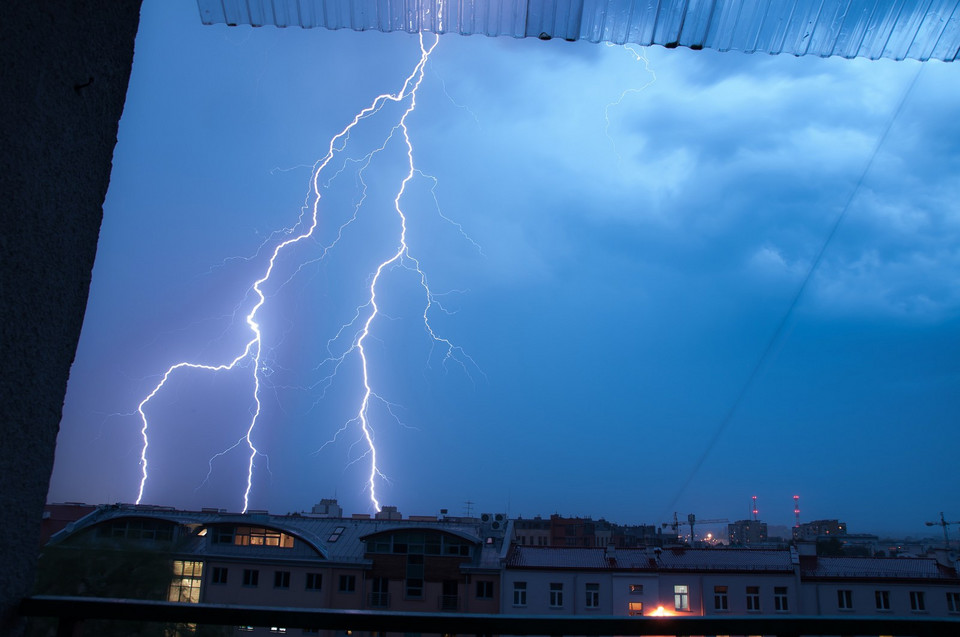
x,y
345,583
591,594
881,600
721,598
251,536
281,579
420,544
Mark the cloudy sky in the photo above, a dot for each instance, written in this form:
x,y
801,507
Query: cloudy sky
x,y
611,242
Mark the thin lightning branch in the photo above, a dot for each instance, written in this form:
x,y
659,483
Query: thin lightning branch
x,y
251,354
638,56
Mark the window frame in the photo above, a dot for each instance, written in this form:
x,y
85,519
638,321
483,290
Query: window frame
x,y
592,590
721,598
753,599
918,602
781,603
313,581
251,577
347,583
844,599
882,600
519,594
556,595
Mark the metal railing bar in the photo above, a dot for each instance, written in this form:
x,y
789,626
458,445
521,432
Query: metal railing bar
x,y
73,609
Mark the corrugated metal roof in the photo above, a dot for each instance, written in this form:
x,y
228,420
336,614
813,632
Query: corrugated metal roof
x,y
896,29
650,559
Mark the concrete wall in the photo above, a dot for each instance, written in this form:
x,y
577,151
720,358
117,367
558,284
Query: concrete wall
x,y
64,77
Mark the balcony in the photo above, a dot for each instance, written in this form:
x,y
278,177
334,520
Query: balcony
x,y
448,602
379,600
72,611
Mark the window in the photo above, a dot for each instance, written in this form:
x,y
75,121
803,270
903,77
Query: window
x,y
414,587
780,599
245,629
281,579
251,577
953,602
380,593
484,589
556,595
883,599
278,630
348,584
635,609
219,575
134,529
917,602
185,584
519,593
681,598
636,589
593,596
251,536
753,599
314,581
720,600
845,600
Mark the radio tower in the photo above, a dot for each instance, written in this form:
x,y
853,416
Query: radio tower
x,y
754,509
796,510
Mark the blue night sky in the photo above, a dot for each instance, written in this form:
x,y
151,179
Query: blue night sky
x,y
612,242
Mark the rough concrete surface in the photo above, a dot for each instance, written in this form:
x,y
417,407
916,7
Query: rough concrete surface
x,y
64,72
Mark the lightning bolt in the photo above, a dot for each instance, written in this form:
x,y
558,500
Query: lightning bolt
x,y
638,56
251,355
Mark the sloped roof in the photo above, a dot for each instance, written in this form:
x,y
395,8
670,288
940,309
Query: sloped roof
x,y
535,557
871,567
917,29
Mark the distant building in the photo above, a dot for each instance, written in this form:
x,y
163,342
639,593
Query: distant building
x,y
532,532
811,531
327,508
747,533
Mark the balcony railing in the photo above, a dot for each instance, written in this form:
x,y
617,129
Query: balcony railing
x,y
379,600
72,611
448,602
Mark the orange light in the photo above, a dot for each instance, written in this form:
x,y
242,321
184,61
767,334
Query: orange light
x,y
661,612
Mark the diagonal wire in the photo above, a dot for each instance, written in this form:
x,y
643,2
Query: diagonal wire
x,y
778,332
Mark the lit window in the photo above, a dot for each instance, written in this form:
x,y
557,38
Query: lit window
x,y
681,598
281,579
314,581
556,595
753,599
780,599
917,602
519,593
883,599
185,584
251,577
251,536
635,609
593,595
278,630
636,589
845,600
720,600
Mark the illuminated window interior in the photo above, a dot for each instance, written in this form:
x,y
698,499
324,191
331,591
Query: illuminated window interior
x,y
252,536
185,585
635,609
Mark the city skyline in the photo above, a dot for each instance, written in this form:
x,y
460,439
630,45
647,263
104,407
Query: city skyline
x,y
615,239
